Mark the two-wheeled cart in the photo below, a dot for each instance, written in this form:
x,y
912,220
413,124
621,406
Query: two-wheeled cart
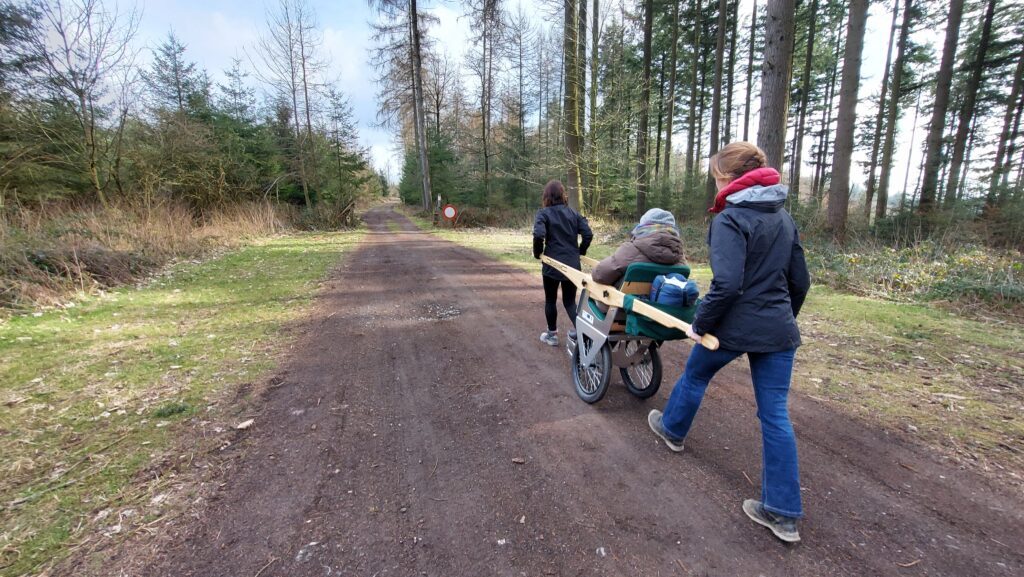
x,y
615,327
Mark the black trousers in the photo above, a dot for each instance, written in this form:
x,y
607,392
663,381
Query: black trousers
x,y
551,296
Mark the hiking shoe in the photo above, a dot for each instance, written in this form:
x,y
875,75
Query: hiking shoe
x,y
783,527
549,338
654,420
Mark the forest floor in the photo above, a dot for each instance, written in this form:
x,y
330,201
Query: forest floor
x,y
418,427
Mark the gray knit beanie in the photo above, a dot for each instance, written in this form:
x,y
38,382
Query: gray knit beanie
x,y
658,216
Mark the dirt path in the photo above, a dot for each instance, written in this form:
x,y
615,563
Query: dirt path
x,y
388,450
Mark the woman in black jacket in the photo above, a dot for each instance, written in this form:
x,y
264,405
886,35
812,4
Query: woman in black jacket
x,y
555,234
759,283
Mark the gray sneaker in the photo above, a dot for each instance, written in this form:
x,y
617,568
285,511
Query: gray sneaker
x,y
783,527
549,338
654,420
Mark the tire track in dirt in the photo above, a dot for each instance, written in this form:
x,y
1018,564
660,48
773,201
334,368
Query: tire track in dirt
x,y
388,450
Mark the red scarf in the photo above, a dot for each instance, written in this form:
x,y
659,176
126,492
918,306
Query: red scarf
x,y
762,176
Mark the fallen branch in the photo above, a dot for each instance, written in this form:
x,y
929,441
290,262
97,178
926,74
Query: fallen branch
x,y
269,563
748,478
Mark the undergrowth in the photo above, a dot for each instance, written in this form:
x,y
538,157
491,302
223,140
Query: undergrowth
x,y
50,253
47,254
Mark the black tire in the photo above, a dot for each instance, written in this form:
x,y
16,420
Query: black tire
x,y
591,384
643,379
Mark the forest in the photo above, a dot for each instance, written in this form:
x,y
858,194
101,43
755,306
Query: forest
x,y
626,101
103,142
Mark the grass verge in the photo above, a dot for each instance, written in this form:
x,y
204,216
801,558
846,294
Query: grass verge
x,y
94,397
954,383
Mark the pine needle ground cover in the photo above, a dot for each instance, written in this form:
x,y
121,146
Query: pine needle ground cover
x,y
97,397
949,380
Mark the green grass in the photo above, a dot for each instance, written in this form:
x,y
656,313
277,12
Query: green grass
x,y
951,381
97,398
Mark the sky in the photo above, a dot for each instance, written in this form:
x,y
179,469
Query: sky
x,y
216,31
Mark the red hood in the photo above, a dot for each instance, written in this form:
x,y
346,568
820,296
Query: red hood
x,y
759,176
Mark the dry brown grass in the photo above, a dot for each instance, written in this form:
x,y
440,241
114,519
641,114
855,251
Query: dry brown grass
x,y
48,253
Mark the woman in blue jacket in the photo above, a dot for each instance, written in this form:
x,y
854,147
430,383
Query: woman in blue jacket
x,y
555,234
759,283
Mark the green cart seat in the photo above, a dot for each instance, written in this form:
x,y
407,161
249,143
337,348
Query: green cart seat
x,y
636,283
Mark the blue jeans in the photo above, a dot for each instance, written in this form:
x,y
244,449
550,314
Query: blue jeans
x,y
771,373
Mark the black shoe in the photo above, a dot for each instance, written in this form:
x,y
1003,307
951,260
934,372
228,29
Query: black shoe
x,y
783,527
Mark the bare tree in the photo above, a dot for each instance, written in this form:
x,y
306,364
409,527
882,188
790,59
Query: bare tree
x,y
399,58
488,21
82,49
282,63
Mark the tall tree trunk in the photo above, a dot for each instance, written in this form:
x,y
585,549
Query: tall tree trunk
x,y
716,98
869,193
750,73
805,94
965,121
572,121
645,102
775,76
485,101
1010,149
880,210
892,114
944,78
734,17
962,186
595,173
1000,168
293,87
839,192
670,122
661,116
307,105
702,105
421,134
691,136
581,95
825,141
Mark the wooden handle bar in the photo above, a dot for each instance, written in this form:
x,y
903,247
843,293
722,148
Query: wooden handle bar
x,y
613,297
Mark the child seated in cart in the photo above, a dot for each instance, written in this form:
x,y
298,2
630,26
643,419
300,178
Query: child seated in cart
x,y
655,239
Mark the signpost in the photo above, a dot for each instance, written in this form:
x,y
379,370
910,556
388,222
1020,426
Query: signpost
x,y
449,212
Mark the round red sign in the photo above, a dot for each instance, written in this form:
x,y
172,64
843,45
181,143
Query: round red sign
x,y
449,212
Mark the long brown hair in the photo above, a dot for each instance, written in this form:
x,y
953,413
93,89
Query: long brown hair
x,y
736,159
554,193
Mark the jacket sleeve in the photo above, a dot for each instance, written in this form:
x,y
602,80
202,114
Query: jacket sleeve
x,y
799,278
540,230
611,268
585,232
728,254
